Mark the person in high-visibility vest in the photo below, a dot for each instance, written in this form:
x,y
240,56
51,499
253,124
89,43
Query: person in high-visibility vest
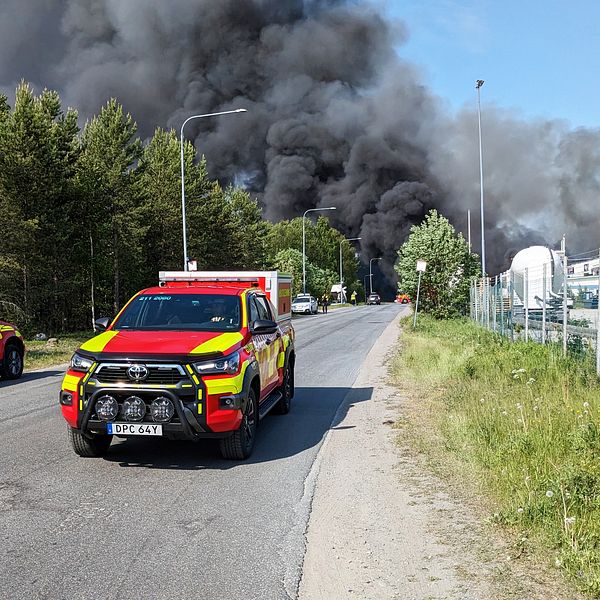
x,y
353,298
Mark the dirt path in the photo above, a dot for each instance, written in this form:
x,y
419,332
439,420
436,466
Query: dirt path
x,y
382,526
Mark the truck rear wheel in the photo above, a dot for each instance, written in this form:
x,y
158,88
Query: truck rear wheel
x,y
239,445
88,446
287,390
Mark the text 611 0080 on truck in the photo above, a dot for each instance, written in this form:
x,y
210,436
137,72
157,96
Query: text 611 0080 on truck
x,y
202,355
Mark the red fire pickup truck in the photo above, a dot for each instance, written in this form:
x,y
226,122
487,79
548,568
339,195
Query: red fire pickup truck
x,y
202,355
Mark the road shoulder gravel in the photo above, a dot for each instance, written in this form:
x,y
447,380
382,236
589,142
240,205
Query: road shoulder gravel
x,y
382,525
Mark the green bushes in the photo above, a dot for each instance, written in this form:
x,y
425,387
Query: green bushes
x,y
526,424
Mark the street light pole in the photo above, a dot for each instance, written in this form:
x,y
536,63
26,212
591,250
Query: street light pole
x,y
181,143
341,267
371,274
478,88
304,242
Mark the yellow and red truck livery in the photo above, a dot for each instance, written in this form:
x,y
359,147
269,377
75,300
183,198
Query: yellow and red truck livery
x,y
203,354
12,351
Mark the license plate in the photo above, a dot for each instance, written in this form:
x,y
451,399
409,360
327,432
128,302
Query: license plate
x,y
133,429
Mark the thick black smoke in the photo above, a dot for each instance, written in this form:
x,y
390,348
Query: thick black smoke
x,y
334,117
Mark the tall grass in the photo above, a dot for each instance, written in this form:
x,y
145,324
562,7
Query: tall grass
x,y
40,354
526,423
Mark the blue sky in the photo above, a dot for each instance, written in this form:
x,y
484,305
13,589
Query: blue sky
x,y
539,57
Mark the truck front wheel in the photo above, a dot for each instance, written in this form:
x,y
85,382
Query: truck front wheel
x,y
239,445
88,446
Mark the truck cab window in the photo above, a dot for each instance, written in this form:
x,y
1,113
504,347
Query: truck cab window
x,y
264,312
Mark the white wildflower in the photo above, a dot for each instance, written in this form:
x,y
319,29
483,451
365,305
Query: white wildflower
x,y
549,494
519,406
586,405
504,413
516,373
558,562
536,408
519,510
531,381
569,521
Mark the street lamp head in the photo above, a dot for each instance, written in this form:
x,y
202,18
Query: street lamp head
x,y
240,110
480,82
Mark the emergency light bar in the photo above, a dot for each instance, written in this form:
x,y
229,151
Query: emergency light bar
x,y
219,276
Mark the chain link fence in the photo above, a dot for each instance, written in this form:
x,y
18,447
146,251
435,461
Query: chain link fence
x,y
543,304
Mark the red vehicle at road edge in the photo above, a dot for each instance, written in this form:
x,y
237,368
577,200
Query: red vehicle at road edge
x,y
12,351
202,381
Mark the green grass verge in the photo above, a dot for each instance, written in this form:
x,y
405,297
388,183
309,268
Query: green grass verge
x,y
522,424
42,354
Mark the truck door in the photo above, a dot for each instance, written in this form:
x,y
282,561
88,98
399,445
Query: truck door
x,y
267,347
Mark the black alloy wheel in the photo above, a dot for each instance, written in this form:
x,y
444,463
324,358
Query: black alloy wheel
x,y
13,362
287,391
239,445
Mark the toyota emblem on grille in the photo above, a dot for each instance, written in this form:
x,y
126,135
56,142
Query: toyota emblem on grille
x,y
137,372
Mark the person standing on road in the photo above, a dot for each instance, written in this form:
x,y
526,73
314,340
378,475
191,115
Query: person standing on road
x,y
324,302
353,298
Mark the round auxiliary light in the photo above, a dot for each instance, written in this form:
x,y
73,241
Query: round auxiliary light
x,y
134,409
162,409
107,408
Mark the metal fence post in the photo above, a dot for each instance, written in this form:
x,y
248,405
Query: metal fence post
x,y
471,300
526,303
598,322
511,299
474,290
493,305
488,308
501,303
481,305
565,289
544,307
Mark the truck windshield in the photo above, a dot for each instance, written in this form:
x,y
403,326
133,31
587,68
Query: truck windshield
x,y
182,312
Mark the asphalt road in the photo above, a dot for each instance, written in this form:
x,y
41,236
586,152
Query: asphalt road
x,y
160,519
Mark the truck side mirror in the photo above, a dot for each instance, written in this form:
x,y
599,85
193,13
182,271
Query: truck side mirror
x,y
263,326
102,323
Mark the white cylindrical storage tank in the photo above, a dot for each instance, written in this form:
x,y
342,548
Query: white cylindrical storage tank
x,y
530,263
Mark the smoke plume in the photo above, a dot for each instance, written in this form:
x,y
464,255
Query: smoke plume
x,y
335,116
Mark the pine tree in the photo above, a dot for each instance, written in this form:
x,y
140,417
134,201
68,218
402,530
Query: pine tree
x,y
108,181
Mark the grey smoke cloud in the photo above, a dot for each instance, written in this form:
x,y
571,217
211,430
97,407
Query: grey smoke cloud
x,y
335,116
